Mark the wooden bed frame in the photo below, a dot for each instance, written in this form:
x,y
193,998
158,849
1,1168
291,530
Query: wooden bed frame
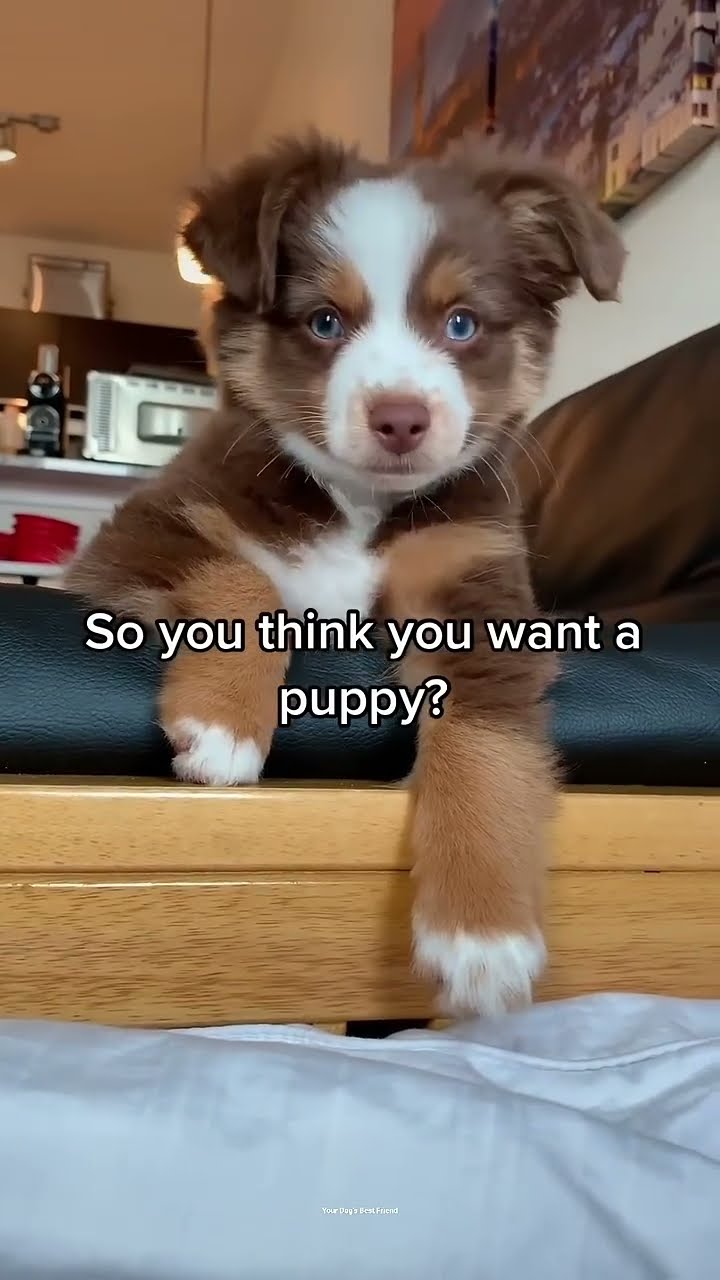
x,y
153,904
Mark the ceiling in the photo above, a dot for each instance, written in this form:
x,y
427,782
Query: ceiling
x,y
127,81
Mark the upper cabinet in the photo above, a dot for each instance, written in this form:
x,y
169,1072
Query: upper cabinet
x,y
109,345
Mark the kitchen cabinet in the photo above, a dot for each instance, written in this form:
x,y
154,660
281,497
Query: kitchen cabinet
x,y
21,333
110,345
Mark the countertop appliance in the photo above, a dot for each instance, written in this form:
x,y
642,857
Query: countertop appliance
x,y
141,419
45,413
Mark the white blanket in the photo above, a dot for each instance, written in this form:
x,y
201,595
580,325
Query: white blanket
x,y
577,1141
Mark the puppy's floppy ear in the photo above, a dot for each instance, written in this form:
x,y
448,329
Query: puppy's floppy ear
x,y
234,222
560,234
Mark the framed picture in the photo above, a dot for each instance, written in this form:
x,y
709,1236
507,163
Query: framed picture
x,y
619,93
441,72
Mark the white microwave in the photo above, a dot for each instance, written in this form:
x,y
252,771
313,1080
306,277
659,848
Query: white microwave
x,y
142,420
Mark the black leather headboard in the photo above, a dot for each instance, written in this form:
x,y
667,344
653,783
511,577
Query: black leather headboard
x,y
639,718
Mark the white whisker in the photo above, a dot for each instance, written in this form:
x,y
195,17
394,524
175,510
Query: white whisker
x,y
269,463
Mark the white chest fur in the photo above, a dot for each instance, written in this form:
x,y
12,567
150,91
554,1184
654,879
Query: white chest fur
x,y
333,574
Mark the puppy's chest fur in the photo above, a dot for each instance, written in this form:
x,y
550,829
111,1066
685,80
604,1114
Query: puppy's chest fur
x,y
335,572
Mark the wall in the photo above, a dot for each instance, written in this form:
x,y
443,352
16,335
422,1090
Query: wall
x,y
332,70
317,62
671,287
145,285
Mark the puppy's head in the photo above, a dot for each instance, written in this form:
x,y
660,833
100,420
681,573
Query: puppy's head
x,y
391,326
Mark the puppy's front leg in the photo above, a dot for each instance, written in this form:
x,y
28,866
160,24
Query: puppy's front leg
x,y
483,780
219,709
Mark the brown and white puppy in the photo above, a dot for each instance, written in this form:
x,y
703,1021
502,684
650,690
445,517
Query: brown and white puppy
x,y
378,335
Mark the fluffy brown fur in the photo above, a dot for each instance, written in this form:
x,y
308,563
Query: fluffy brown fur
x,y
223,529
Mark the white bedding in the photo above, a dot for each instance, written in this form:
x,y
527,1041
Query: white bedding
x,y
576,1141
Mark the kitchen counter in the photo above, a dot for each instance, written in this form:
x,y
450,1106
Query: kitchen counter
x,y
29,572
73,489
74,467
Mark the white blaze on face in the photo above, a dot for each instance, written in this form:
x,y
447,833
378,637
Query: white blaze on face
x,y
384,229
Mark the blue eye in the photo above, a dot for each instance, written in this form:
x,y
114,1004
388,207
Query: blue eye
x,y
461,325
325,323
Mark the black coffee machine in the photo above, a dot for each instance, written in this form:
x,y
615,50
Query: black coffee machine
x,y
45,414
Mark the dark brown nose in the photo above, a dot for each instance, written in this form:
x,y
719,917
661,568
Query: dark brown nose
x,y
399,424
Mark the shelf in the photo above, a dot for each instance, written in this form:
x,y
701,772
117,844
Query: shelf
x,y
25,569
75,467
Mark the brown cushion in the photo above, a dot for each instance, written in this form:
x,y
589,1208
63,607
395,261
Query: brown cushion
x,y
621,491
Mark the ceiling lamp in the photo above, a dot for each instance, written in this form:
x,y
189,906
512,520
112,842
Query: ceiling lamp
x,y
8,149
189,267
8,132
187,263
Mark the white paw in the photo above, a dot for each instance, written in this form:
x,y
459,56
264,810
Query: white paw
x,y
213,755
480,974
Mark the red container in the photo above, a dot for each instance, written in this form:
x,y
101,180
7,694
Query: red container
x,y
42,540
7,546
